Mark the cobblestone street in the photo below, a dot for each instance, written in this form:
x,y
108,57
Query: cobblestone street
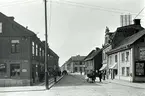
x,y
76,85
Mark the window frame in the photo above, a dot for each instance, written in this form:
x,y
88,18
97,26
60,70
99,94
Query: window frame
x,y
15,46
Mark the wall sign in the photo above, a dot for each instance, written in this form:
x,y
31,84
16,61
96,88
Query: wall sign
x,y
24,70
142,53
140,68
2,67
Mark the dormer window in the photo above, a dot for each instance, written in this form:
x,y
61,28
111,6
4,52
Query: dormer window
x,y
0,27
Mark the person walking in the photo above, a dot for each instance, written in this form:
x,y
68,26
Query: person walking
x,y
100,76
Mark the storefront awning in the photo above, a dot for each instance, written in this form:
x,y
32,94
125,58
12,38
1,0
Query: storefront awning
x,y
103,67
114,66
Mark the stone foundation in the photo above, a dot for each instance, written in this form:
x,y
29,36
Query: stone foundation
x,y
14,82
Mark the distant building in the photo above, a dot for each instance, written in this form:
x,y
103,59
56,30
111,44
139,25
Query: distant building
x,y
21,54
93,61
76,64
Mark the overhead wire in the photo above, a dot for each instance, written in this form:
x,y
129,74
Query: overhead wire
x,y
94,7
139,12
19,2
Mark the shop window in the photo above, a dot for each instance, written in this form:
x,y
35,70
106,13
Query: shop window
x,y
2,69
127,71
15,46
123,71
15,70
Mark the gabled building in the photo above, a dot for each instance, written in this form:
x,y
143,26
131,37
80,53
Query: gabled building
x,y
128,58
120,35
107,46
76,64
93,61
21,54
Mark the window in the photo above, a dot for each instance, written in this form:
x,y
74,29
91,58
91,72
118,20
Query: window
x,y
115,58
36,50
15,70
33,49
127,56
127,71
2,69
15,46
123,57
123,70
40,52
75,69
0,27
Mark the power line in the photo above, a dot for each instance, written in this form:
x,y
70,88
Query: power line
x,y
13,3
139,12
95,6
83,5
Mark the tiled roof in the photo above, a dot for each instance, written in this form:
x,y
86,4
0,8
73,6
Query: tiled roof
x,y
92,54
129,40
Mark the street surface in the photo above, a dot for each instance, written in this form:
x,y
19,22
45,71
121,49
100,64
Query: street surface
x,y
76,85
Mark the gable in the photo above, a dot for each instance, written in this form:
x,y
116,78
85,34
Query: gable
x,y
12,28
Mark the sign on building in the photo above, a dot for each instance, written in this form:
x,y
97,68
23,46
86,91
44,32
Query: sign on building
x,y
140,68
142,53
3,67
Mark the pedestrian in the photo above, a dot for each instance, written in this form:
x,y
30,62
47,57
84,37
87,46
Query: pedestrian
x,y
100,75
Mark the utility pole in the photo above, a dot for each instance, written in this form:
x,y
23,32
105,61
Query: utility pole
x,y
46,46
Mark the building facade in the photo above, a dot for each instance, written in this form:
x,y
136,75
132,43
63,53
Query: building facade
x,y
120,57
76,64
22,54
93,61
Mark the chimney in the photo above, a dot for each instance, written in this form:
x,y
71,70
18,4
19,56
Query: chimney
x,y
11,18
136,21
97,48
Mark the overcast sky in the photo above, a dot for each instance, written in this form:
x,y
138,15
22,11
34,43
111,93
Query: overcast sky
x,y
76,26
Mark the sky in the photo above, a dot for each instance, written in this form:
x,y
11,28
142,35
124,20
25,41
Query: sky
x,y
75,27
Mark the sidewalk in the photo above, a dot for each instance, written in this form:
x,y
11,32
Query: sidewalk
x,y
126,83
40,87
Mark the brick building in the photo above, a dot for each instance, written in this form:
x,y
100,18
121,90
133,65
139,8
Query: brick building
x,y
21,54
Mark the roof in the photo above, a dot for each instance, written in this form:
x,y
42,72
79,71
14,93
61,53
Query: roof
x,y
77,58
18,27
128,41
92,54
125,31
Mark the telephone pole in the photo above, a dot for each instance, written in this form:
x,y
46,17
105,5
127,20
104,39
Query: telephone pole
x,y
46,46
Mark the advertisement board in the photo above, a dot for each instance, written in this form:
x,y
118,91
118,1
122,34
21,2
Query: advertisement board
x,y
140,68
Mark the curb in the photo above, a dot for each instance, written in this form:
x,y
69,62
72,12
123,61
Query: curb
x,y
125,85
53,83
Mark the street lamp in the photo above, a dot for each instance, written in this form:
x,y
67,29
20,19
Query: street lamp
x,y
46,45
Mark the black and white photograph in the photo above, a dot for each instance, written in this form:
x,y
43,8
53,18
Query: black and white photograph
x,y
72,47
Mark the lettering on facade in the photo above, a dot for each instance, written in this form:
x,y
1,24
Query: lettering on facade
x,y
3,67
24,70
